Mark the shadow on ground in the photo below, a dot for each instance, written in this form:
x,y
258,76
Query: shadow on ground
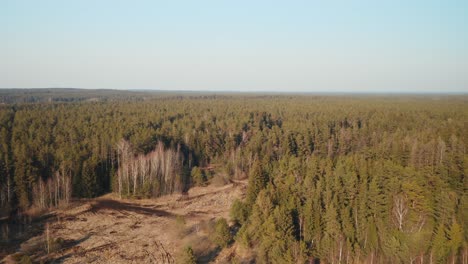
x,y
69,244
123,207
209,256
15,231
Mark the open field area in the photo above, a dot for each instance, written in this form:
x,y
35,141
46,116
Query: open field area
x,y
111,230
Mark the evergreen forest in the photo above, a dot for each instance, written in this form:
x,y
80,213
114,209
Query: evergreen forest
x,y
331,178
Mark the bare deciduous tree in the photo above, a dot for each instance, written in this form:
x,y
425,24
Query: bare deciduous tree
x,y
400,210
160,168
53,192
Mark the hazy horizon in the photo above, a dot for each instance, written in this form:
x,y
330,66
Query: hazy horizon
x,y
239,91
215,46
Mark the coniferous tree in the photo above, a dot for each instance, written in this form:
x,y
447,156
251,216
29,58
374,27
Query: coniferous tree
x,y
257,182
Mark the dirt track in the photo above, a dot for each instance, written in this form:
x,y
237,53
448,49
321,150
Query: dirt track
x,y
110,230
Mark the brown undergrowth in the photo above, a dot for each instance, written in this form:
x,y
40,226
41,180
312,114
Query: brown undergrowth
x,y
112,230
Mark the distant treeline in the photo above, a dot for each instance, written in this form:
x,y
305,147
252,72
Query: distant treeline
x,y
10,96
51,95
332,178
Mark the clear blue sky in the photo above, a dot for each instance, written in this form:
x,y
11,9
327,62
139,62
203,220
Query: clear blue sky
x,y
337,46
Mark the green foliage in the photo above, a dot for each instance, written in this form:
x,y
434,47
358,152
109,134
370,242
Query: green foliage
x,y
187,256
257,182
379,179
89,183
180,220
222,234
56,244
239,212
21,258
25,260
455,236
440,245
198,177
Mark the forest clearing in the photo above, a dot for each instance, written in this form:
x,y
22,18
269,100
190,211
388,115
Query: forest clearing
x,y
108,229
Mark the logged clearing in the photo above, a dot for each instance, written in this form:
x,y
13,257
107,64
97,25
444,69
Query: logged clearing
x,y
112,230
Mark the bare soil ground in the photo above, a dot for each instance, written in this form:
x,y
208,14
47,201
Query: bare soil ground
x,y
112,230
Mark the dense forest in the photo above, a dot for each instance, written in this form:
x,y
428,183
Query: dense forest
x,y
335,179
68,95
